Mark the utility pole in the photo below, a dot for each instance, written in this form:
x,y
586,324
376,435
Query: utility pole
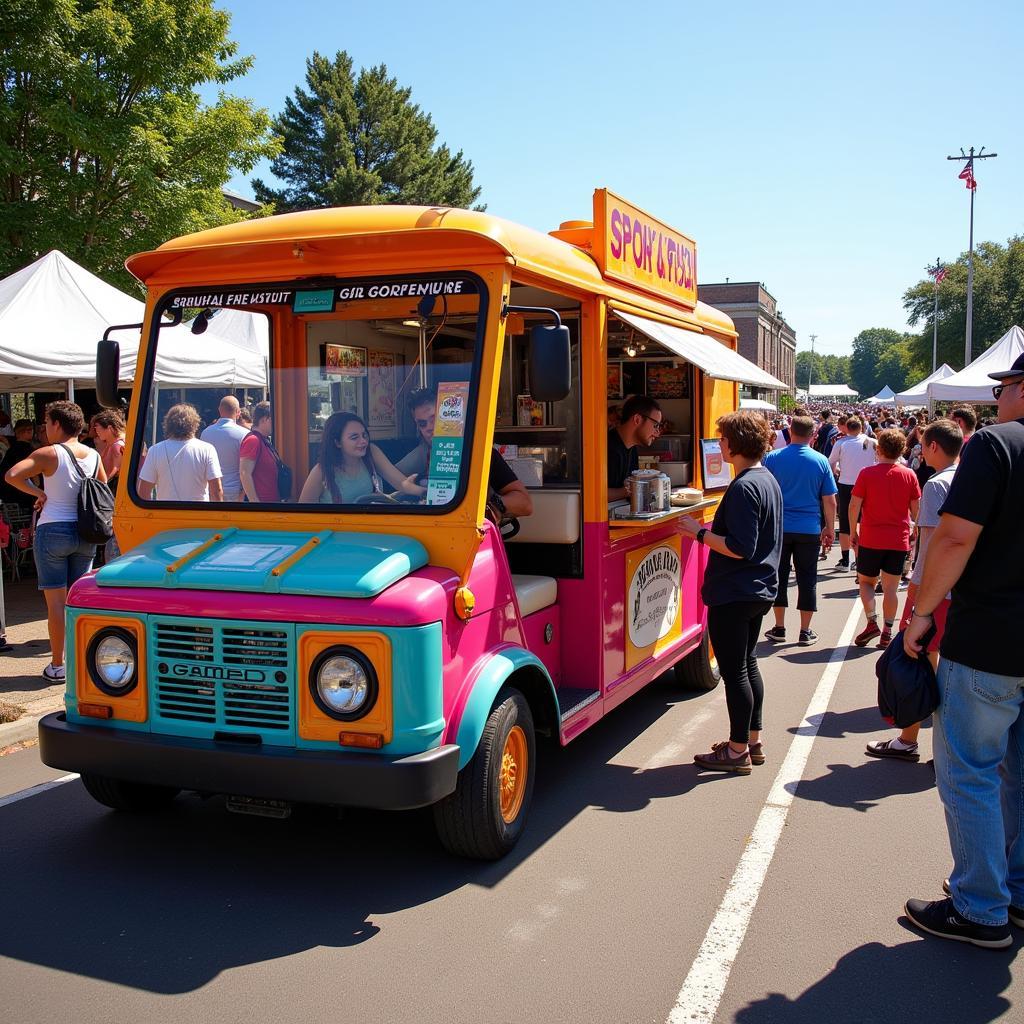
x,y
937,273
810,366
967,174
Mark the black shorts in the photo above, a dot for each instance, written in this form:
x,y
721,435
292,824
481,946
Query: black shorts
x,y
845,494
871,561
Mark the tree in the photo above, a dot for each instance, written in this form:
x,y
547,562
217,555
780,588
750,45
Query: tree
x,y
353,141
998,304
105,145
880,357
825,369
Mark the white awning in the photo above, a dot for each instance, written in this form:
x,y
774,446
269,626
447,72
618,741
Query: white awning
x,y
711,356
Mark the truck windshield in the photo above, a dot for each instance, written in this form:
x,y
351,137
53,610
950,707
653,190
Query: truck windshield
x,y
353,394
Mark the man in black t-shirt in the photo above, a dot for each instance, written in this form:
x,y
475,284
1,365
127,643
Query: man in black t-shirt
x,y
20,448
978,551
640,423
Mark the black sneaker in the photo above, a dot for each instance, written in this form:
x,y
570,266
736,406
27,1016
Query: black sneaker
x,y
777,634
842,566
940,917
807,637
1016,914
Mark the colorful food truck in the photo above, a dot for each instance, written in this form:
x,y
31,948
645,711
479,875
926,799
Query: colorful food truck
x,y
375,632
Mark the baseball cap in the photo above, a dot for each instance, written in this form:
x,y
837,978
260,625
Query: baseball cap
x,y
1013,371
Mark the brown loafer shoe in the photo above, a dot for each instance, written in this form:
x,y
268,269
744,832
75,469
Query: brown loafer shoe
x,y
722,759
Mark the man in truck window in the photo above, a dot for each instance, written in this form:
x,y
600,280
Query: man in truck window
x,y
507,494
639,423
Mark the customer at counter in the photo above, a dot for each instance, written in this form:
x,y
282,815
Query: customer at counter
x,y
639,423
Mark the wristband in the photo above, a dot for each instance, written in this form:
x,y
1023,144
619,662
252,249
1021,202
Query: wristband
x,y
700,534
924,615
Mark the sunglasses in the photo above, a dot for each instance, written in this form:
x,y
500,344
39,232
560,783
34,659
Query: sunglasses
x,y
1000,388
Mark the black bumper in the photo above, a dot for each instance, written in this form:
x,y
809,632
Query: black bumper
x,y
303,776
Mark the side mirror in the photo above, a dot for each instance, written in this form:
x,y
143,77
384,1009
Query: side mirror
x,y
550,362
108,372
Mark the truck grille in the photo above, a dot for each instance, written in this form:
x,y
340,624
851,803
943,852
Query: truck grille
x,y
223,677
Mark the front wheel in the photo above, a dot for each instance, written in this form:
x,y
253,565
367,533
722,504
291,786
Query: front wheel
x,y
127,796
699,669
486,814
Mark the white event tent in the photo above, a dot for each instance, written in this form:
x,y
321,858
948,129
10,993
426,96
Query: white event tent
x,y
884,397
918,394
757,403
831,391
53,312
973,383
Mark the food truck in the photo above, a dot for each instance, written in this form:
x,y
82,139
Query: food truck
x,y
405,646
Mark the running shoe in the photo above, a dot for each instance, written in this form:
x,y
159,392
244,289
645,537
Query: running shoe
x,y
807,637
55,673
885,639
940,917
867,634
777,634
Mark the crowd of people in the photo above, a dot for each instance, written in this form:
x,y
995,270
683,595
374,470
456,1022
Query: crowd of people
x,y
934,506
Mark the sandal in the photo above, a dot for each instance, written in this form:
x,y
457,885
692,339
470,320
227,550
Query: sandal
x,y
722,759
884,748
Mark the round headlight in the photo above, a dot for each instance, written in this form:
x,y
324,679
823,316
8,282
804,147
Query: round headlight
x,y
344,684
112,661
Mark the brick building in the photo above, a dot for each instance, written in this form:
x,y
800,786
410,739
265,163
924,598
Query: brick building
x,y
764,336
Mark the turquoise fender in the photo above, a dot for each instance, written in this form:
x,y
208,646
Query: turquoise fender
x,y
490,678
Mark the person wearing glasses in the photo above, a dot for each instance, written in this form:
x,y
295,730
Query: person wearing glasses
x,y
639,423
507,494
977,550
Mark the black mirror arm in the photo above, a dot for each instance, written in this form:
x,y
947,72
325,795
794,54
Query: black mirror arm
x,y
173,322
506,309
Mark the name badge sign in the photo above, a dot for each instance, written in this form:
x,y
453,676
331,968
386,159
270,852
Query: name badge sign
x,y
446,446
633,247
653,607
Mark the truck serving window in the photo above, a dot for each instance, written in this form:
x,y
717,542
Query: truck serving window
x,y
353,394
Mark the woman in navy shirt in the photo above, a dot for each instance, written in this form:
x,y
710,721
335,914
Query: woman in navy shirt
x,y
740,583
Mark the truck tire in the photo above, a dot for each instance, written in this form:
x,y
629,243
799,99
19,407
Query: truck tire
x,y
127,796
699,669
486,814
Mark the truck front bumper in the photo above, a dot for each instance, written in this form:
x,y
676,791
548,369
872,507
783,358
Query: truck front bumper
x,y
273,773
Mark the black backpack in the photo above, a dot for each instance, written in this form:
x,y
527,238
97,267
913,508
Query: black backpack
x,y
95,506
284,472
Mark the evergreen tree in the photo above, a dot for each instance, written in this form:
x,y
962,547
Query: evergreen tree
x,y
356,141
105,146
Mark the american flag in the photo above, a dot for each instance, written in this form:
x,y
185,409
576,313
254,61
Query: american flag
x,y
967,176
938,274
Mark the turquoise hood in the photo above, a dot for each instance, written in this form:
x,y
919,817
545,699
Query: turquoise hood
x,y
325,563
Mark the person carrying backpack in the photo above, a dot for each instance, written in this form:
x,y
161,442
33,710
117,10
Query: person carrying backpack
x,y
827,434
61,555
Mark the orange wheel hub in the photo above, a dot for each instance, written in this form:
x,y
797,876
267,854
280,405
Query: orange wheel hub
x,y
513,773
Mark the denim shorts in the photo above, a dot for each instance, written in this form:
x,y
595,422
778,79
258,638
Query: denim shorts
x,y
61,555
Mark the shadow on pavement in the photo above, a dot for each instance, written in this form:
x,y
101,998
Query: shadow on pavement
x,y
822,655
835,725
922,980
862,786
166,902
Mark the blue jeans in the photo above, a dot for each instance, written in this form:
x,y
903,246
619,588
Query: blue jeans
x,y
979,770
62,556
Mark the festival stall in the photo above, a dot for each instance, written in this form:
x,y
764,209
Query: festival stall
x,y
918,394
972,383
884,397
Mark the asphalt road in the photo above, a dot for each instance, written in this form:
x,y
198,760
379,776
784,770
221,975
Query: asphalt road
x,y
598,916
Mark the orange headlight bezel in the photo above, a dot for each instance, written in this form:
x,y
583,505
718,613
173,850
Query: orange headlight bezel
x,y
133,706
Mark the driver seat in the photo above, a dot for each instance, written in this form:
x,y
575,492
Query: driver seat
x,y
534,592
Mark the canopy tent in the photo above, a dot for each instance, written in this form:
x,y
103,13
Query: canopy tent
x,y
884,397
757,403
831,391
711,356
973,383
919,392
53,312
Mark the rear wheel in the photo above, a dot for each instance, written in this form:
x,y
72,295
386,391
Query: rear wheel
x,y
486,814
127,796
699,669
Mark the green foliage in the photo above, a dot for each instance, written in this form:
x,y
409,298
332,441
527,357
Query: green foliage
x,y
880,356
353,141
787,403
998,304
105,146
824,369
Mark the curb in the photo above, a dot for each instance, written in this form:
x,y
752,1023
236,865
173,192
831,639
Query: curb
x,y
26,728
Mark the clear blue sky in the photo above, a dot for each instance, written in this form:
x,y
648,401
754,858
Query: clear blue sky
x,y
801,144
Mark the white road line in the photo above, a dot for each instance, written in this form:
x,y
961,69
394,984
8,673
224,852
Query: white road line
x,y
704,986
36,790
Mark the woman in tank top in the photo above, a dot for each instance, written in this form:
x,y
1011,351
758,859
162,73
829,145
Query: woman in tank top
x,y
350,467
61,555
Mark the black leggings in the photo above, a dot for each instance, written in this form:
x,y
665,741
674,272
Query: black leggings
x,y
799,550
734,630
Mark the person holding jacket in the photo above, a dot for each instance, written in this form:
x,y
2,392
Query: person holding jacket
x,y
740,583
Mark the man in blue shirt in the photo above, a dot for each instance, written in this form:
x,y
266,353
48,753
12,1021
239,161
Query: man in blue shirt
x,y
808,488
226,436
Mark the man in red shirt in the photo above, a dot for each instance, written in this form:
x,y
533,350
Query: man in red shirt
x,y
885,500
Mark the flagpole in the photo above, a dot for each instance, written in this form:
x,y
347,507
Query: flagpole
x,y
935,273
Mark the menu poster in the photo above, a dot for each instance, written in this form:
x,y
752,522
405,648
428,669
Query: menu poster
x,y
717,472
446,447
